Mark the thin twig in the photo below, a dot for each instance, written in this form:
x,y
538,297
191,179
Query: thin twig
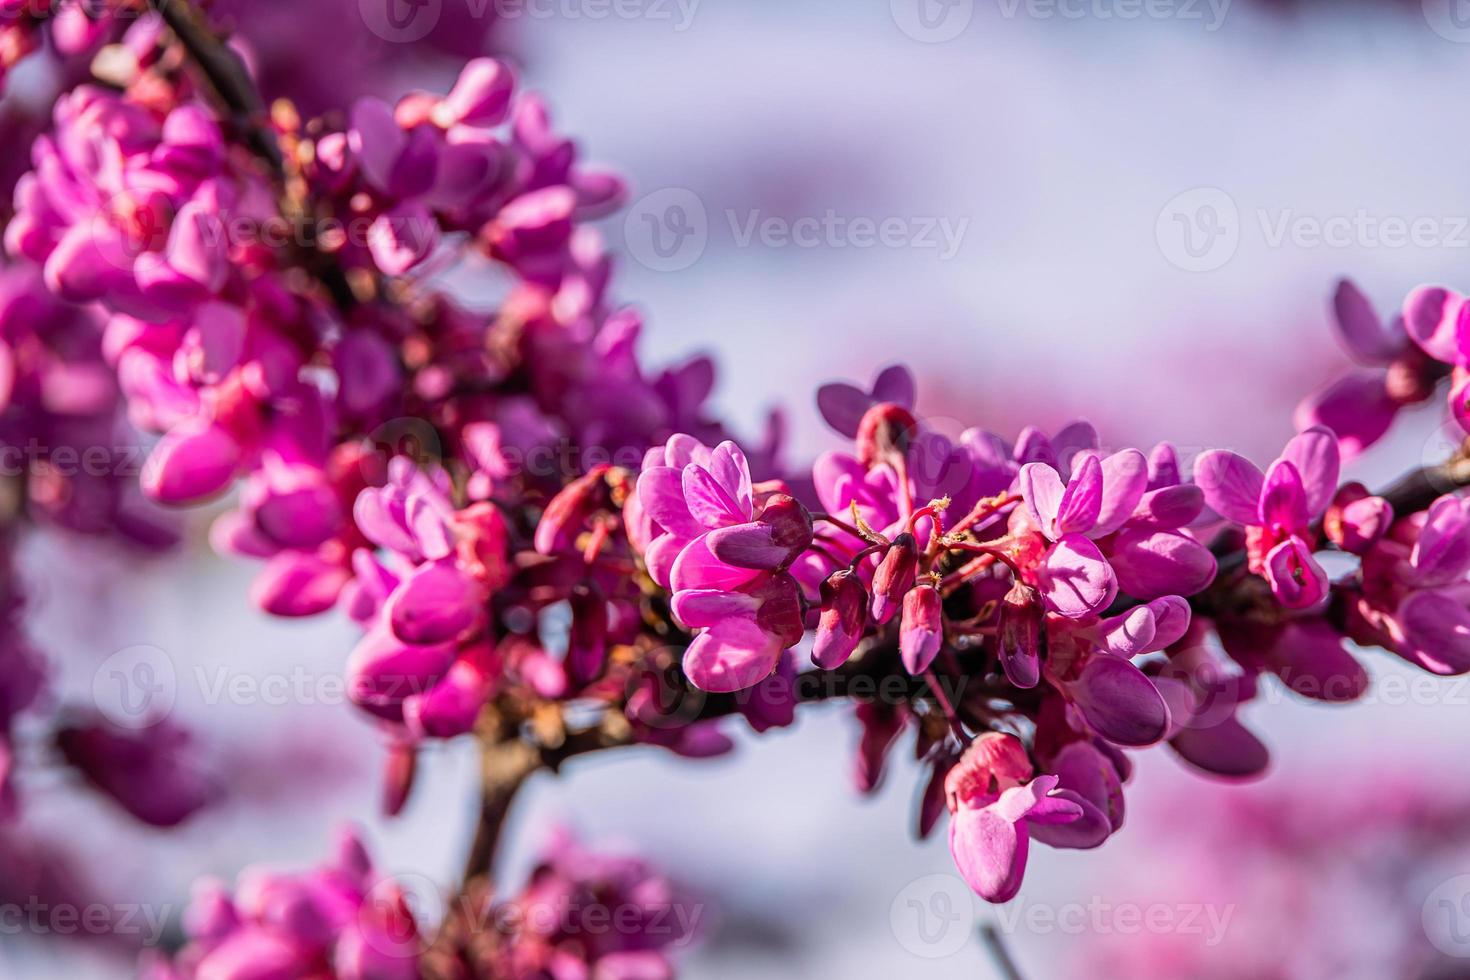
x,y
997,947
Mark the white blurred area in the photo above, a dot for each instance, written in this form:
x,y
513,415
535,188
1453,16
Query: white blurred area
x,y
1060,141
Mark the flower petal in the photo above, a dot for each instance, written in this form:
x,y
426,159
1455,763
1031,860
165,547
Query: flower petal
x,y
1231,484
1075,578
1318,460
1120,703
1152,564
989,853
730,656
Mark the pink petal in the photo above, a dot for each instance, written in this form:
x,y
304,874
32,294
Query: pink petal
x,y
698,568
732,655
1076,580
1356,407
989,853
1431,318
1436,632
842,406
1125,478
1152,564
1042,488
895,384
1231,484
1283,498
1317,459
1120,703
1360,328
1082,502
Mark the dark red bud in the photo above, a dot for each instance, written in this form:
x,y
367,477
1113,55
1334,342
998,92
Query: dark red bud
x,y
587,642
783,610
884,434
567,514
1020,635
894,576
844,617
921,632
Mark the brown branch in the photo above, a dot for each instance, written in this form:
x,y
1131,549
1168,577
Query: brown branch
x,y
227,76
504,768
233,88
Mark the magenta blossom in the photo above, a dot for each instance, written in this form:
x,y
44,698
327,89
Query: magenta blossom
x,y
1278,510
996,807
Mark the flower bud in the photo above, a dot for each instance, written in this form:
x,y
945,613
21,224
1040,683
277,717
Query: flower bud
x,y
1355,519
782,611
884,434
894,576
921,632
844,617
567,514
773,541
480,97
1020,635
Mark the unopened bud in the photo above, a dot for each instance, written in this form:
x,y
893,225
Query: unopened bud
x,y
568,513
1020,635
772,541
844,617
1355,519
884,434
894,576
921,633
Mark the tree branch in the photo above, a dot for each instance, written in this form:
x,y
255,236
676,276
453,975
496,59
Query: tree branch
x,y
233,88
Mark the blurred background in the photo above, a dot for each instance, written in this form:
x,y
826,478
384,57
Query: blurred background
x,y
1129,211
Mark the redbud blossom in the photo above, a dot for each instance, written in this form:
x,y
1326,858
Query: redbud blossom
x,y
844,617
894,576
921,632
1020,635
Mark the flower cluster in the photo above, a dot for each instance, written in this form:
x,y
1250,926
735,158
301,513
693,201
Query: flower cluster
x,y
557,550
1057,603
581,914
